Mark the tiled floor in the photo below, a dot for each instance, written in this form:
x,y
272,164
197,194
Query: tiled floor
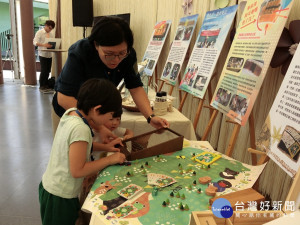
x,y
25,144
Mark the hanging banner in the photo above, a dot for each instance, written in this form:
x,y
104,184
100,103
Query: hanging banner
x,y
179,48
280,135
249,57
155,46
209,44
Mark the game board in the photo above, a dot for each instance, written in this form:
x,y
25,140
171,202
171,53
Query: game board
x,y
171,204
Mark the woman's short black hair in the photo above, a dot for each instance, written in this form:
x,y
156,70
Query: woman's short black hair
x,y
102,92
111,31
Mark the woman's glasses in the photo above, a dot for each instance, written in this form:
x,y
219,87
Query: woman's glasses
x,y
121,55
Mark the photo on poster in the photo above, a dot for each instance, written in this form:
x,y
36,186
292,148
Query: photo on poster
x,y
199,83
150,64
223,96
289,143
189,76
175,71
252,67
235,64
208,38
167,69
160,31
238,104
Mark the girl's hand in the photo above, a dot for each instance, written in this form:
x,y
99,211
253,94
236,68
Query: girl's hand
x,y
117,158
111,145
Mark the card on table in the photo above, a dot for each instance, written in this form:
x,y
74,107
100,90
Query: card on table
x,y
160,180
130,191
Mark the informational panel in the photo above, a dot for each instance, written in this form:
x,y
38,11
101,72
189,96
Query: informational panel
x,y
280,136
155,45
179,48
249,57
209,44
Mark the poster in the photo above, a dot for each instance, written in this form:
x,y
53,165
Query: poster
x,y
249,57
179,48
155,46
280,135
209,43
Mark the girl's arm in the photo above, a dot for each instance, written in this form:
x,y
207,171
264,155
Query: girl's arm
x,y
110,147
80,168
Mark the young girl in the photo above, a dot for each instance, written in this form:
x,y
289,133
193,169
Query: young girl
x,y
69,161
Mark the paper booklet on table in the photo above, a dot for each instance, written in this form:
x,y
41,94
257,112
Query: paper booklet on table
x,y
55,42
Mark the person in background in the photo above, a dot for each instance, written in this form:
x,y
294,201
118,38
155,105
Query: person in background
x,y
45,57
69,161
107,53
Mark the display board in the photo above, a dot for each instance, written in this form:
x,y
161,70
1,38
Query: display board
x,y
155,45
209,44
179,48
280,135
165,189
249,57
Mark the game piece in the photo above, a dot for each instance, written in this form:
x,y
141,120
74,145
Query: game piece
x,y
204,180
194,173
182,196
142,167
144,171
181,172
181,208
172,194
128,174
194,182
179,165
189,169
194,154
168,201
208,166
211,190
180,205
199,191
154,191
125,163
190,187
147,164
164,204
186,207
177,195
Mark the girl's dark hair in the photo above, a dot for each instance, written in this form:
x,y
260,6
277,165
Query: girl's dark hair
x,y
102,92
111,31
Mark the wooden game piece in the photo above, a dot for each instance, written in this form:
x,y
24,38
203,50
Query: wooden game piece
x,y
199,191
204,180
142,167
181,208
177,195
194,182
154,191
208,166
182,196
128,174
164,204
143,171
180,205
168,201
190,187
194,173
194,154
172,194
179,165
186,207
211,190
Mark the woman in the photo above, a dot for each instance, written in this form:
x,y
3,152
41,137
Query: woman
x,y
107,53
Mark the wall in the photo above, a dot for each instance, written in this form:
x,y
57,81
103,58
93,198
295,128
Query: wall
x,y
144,15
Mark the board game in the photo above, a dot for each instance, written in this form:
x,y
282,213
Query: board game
x,y
165,189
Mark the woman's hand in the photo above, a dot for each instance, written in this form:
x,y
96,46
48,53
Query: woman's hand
x,y
158,122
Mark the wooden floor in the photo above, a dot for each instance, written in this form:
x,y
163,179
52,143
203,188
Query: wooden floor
x,y
25,144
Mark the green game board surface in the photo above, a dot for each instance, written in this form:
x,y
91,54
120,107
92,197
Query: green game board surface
x,y
150,210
